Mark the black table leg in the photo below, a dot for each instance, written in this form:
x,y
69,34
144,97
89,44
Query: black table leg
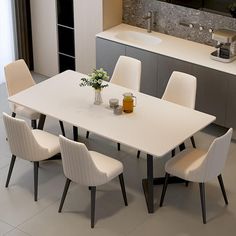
x,y
148,185
41,121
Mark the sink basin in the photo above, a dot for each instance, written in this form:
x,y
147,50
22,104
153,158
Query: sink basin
x,y
138,38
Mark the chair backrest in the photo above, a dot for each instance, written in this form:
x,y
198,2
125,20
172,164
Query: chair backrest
x,y
127,73
78,165
181,89
21,139
216,156
18,77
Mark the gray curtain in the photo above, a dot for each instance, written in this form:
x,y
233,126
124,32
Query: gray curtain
x,y
23,31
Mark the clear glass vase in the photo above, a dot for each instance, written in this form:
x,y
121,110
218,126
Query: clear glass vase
x,y
98,97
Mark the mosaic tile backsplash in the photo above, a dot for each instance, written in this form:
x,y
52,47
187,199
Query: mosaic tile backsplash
x,y
168,19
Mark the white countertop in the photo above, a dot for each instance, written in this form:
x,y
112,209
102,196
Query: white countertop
x,y
173,47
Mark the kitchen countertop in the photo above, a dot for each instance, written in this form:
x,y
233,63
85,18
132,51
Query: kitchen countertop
x,y
173,47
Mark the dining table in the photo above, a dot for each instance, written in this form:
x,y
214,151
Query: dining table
x,y
155,127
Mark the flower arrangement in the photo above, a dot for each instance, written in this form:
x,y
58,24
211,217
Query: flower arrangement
x,y
96,79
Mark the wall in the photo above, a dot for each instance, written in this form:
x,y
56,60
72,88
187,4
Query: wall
x,y
168,17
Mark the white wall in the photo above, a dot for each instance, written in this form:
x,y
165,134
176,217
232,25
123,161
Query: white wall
x,y
7,53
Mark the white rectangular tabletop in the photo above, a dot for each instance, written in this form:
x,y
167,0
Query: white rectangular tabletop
x,y
155,127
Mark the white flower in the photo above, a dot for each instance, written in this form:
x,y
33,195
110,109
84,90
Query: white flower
x,y
100,81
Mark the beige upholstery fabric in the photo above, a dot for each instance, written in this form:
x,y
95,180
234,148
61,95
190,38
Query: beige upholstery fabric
x,y
200,166
181,89
31,145
127,73
18,78
85,167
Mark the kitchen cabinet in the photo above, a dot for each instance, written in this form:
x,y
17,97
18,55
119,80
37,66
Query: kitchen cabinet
x,y
212,90
149,69
231,102
215,89
63,32
166,65
107,54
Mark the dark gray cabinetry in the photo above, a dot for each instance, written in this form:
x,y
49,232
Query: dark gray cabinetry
x,y
212,90
231,102
107,54
166,65
149,69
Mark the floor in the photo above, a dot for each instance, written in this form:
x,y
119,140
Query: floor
x,y
180,215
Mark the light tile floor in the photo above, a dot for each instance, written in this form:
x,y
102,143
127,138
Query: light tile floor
x,y
180,215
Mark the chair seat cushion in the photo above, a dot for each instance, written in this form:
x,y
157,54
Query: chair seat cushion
x,y
107,165
48,141
26,112
186,165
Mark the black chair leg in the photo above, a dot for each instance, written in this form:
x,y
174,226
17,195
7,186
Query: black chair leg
x,y
87,134
193,142
13,159
122,185
223,189
93,196
164,189
34,124
203,201
36,165
173,153
67,184
75,133
118,146
138,154
62,128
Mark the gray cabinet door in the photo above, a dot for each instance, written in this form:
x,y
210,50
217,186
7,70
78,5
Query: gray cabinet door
x,y
166,65
212,89
149,69
107,54
231,102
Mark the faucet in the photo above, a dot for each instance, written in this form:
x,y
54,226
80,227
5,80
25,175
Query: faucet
x,y
148,17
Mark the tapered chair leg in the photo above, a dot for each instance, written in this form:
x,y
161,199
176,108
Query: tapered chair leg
x,y
62,128
203,201
87,134
173,153
13,159
93,196
36,165
75,133
122,185
193,142
118,146
138,154
34,124
67,184
223,189
164,189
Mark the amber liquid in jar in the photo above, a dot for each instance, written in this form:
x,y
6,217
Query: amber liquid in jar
x,y
128,104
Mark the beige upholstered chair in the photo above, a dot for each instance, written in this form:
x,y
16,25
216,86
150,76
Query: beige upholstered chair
x,y
181,89
200,166
88,168
18,78
32,145
127,73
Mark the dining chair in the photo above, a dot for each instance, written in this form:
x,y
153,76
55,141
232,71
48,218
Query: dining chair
x,y
29,144
181,89
88,168
127,73
18,78
200,166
